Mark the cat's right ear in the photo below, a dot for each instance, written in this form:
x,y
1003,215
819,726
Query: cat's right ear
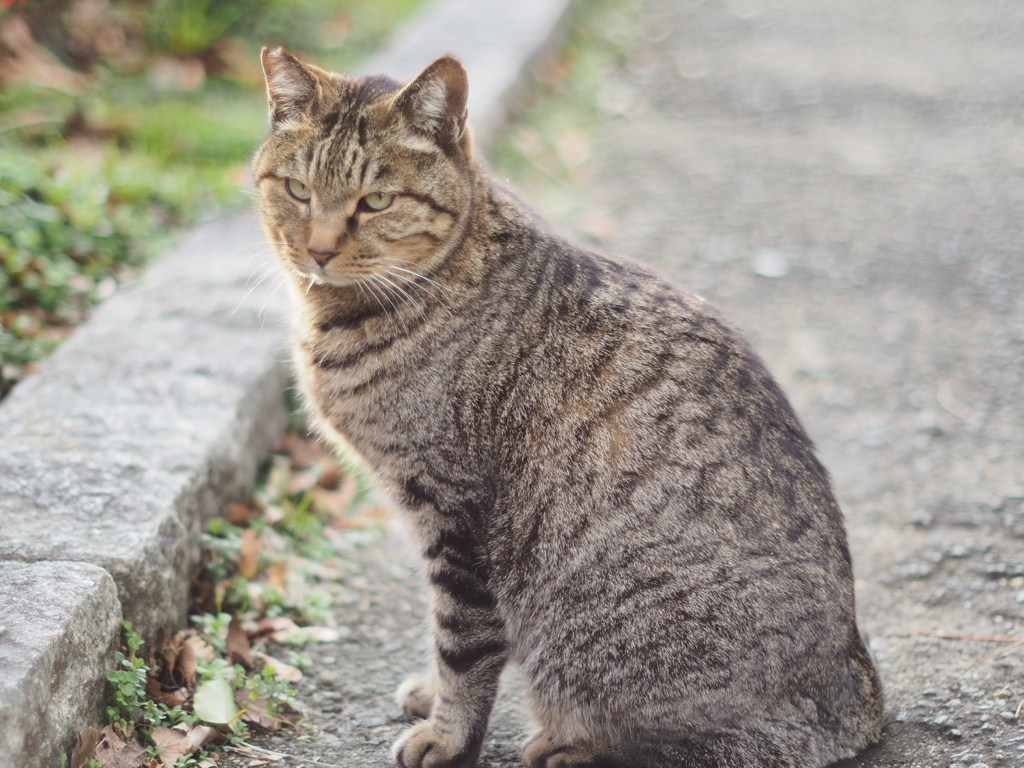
x,y
291,87
434,104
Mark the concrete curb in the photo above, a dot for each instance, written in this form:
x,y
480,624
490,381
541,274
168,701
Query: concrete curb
x,y
61,624
157,412
114,454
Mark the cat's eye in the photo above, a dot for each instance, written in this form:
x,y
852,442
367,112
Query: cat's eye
x,y
377,201
298,190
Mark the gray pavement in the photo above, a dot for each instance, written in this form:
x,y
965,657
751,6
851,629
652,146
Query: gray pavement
x,y
846,181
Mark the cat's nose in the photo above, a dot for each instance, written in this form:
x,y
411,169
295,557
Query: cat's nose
x,y
322,257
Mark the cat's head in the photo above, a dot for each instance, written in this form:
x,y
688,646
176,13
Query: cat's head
x,y
363,176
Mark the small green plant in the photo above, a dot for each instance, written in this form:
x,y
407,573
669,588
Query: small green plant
x,y
131,704
266,686
218,668
133,710
215,628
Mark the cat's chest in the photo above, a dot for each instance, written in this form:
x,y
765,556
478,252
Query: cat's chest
x,y
391,391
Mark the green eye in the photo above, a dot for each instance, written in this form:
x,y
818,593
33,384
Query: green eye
x,y
298,190
378,201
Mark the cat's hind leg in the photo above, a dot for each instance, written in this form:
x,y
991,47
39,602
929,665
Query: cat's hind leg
x,y
542,751
416,695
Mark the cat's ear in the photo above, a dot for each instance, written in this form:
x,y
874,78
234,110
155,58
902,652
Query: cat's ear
x,y
434,104
291,87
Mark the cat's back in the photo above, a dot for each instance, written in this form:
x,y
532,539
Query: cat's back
x,y
598,354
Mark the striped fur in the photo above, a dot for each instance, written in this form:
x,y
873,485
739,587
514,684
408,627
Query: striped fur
x,y
605,483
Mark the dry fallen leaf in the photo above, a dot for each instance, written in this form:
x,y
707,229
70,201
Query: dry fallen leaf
x,y
282,671
249,553
284,630
171,646
113,752
273,514
201,648
302,450
85,747
238,514
335,503
171,696
256,714
239,651
180,740
269,624
277,575
300,482
319,634
331,472
185,664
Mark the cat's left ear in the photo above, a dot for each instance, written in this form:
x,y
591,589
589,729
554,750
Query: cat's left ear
x,y
291,87
434,104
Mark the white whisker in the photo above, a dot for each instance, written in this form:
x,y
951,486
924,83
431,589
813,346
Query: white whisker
x,y
256,244
359,285
279,278
373,292
409,300
442,290
422,290
387,295
251,286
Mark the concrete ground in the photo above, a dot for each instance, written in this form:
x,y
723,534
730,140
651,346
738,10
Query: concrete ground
x,y
846,181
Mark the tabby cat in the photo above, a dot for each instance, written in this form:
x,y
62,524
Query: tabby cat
x,y
606,485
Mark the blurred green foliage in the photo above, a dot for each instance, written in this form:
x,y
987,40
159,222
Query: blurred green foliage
x,y
548,145
145,121
65,232
190,27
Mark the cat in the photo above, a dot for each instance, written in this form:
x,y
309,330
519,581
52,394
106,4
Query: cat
x,y
606,485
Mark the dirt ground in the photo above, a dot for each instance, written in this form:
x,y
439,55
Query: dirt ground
x,y
846,182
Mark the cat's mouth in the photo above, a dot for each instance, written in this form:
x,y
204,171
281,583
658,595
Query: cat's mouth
x,y
328,273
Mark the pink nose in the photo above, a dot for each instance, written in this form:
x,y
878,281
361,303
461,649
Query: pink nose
x,y
322,257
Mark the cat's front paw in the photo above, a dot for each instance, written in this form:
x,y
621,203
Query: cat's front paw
x,y
543,752
416,695
426,745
